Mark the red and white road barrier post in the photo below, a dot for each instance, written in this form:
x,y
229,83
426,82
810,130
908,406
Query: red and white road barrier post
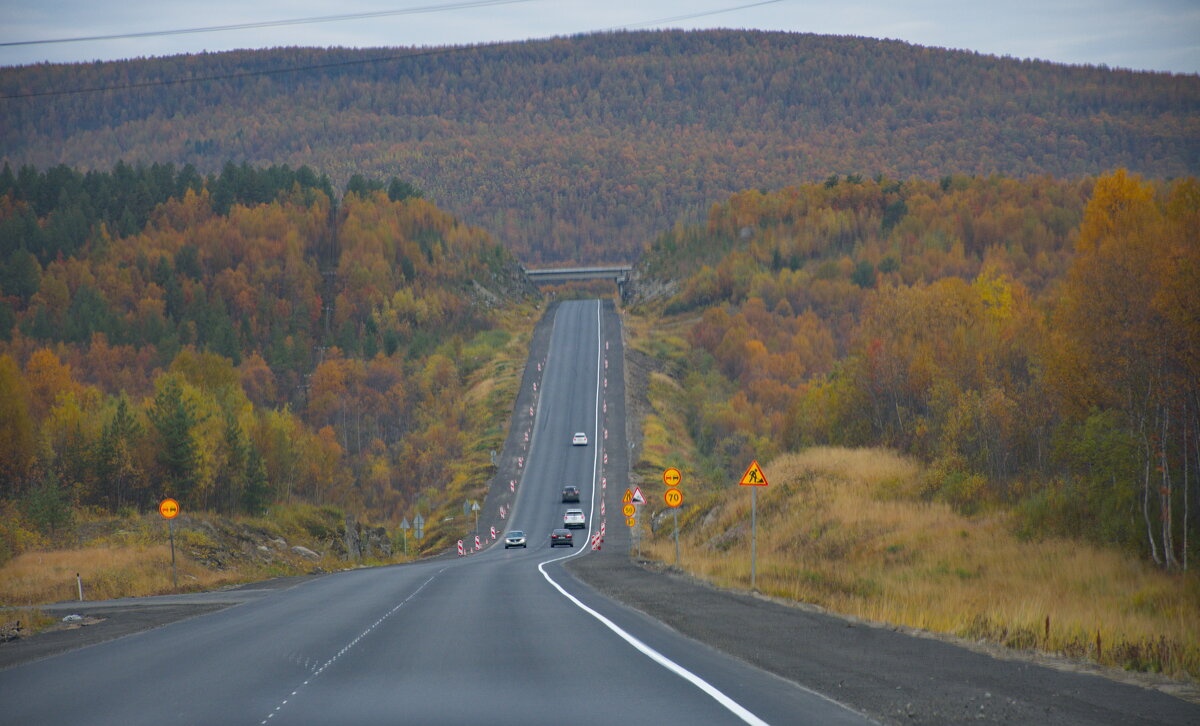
x,y
461,550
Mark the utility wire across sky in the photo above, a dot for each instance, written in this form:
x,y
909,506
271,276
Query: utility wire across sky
x,y
272,23
320,66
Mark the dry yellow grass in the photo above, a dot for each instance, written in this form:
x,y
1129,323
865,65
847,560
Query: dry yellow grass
x,y
107,572
835,529
131,557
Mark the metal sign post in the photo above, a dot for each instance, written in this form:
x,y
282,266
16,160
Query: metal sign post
x,y
753,536
673,497
475,508
404,527
754,478
169,508
676,513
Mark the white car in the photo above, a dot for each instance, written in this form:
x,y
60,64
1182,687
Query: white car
x,y
580,439
574,519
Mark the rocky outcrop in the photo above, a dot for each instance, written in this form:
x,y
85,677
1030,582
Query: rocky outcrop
x,y
365,542
305,552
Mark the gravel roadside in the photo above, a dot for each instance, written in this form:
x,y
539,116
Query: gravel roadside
x,y
895,676
106,620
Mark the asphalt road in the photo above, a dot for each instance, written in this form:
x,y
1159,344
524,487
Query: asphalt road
x,y
497,637
513,637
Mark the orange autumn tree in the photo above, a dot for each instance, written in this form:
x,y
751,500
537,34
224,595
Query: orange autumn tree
x,y
1126,339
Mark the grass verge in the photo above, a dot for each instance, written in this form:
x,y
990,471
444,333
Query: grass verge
x,y
835,528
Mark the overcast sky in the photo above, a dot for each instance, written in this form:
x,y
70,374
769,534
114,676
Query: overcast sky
x,y
1160,35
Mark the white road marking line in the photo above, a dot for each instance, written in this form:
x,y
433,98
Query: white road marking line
x,y
361,635
712,691
731,705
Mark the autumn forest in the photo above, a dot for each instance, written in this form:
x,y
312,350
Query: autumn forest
x,y
582,149
268,285
1035,342
234,340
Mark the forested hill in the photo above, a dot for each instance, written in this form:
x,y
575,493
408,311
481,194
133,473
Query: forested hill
x,y
1036,342
238,340
585,148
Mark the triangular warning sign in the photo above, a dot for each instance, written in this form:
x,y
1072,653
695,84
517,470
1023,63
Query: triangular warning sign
x,y
628,497
753,477
637,496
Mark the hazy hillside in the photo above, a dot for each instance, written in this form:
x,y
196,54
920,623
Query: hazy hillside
x,y
585,148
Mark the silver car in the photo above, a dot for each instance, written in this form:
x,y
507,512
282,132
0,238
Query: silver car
x,y
515,538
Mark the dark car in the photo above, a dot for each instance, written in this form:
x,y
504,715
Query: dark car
x,y
561,536
570,493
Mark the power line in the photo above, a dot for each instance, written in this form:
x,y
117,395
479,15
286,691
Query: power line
x,y
249,74
693,16
338,64
469,4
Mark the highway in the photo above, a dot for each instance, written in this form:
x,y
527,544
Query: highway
x,y
496,637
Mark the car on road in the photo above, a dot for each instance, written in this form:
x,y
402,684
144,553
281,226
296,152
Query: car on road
x,y
574,519
515,538
579,439
561,536
570,493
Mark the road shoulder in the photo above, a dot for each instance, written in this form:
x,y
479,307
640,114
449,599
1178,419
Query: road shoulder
x,y
893,675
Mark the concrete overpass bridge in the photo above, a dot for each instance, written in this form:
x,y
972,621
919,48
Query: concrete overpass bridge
x,y
548,276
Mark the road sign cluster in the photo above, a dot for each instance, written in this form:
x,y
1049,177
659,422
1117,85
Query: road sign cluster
x,y
673,496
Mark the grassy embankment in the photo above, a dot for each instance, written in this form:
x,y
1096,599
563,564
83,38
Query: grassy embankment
x,y
130,556
847,530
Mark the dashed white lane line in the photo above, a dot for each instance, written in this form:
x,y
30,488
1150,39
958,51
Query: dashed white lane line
x,y
352,643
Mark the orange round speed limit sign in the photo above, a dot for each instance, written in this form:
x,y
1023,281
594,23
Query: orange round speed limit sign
x,y
628,510
169,508
673,497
